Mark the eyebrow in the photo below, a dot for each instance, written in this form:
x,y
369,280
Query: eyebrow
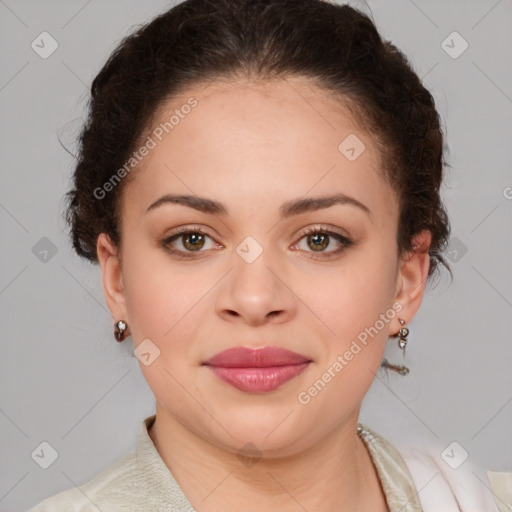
x,y
287,209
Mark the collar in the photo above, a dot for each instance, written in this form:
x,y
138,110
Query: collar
x,y
393,473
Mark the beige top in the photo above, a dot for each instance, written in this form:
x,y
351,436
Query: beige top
x,y
141,481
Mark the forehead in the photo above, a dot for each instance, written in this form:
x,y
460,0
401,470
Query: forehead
x,y
267,139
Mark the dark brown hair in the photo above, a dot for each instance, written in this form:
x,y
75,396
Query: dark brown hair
x,y
335,46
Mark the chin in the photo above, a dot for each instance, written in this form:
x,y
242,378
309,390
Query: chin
x,y
268,432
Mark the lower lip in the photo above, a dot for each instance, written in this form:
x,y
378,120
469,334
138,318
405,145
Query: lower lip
x,y
258,380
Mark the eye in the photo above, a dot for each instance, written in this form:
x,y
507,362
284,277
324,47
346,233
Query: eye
x,y
192,240
319,238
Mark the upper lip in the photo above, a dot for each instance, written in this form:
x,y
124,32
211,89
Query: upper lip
x,y
243,357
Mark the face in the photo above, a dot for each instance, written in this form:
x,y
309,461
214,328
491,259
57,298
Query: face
x,y
257,270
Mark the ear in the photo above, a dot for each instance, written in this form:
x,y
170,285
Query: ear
x,y
112,277
412,276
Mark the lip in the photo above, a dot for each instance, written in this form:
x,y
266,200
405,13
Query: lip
x,y
257,370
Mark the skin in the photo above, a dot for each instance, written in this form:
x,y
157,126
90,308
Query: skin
x,y
254,147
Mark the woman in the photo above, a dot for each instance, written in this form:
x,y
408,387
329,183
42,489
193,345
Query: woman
x,y
259,183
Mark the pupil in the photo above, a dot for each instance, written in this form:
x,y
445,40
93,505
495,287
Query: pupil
x,y
194,237
319,238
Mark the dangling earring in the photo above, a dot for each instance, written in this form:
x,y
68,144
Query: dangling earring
x,y
402,342
120,330
402,336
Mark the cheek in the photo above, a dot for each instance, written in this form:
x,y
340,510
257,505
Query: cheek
x,y
356,311
164,304
148,301
158,293
362,289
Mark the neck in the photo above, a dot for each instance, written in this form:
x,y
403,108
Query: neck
x,y
334,474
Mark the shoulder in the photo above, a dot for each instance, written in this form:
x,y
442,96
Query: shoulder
x,y
501,484
138,481
106,488
448,479
443,477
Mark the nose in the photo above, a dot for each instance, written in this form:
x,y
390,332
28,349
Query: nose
x,y
255,292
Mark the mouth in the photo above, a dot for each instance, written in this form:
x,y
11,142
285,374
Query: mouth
x,y
257,370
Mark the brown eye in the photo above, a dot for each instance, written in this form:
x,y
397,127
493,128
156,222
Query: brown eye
x,y
187,241
193,240
318,241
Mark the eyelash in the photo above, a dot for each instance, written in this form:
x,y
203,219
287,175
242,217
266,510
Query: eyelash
x,y
346,242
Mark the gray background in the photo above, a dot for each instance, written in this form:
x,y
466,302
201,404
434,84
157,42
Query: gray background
x,y
66,381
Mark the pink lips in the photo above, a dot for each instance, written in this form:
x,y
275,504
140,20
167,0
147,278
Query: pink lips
x,y
257,370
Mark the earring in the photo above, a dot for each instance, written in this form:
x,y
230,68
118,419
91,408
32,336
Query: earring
x,y
120,330
402,336
402,342
401,369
